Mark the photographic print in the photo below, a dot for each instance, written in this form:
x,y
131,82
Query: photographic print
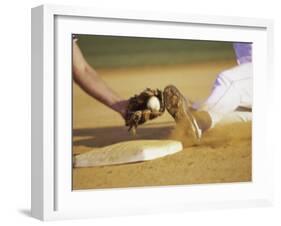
x,y
160,112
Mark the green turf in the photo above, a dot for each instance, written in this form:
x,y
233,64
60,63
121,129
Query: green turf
x,y
112,51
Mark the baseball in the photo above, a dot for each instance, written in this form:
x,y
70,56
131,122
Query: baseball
x,y
153,104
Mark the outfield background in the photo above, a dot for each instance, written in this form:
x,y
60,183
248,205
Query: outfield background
x,y
114,52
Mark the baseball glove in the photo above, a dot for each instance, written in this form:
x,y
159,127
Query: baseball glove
x,y
138,112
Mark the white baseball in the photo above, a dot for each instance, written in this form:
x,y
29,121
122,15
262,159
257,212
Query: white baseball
x,y
153,104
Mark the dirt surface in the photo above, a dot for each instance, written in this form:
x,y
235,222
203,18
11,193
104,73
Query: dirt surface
x,y
223,156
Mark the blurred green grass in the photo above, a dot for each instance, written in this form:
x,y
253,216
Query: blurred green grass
x,y
113,51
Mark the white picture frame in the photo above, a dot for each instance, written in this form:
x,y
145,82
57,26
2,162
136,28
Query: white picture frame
x,y
52,197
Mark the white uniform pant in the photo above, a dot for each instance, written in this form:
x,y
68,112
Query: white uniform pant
x,y
232,89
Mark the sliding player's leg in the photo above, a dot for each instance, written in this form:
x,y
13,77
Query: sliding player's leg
x,y
232,90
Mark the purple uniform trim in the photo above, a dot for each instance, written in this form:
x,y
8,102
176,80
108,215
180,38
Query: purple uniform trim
x,y
243,52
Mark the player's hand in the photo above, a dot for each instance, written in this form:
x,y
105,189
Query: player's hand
x,y
145,106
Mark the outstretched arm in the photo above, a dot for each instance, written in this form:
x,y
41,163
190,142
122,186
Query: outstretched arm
x,y
87,78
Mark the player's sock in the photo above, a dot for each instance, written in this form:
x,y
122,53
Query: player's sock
x,y
203,119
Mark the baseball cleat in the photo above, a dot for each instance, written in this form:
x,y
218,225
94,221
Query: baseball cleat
x,y
179,108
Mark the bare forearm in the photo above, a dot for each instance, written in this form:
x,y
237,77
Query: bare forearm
x,y
91,83
87,78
